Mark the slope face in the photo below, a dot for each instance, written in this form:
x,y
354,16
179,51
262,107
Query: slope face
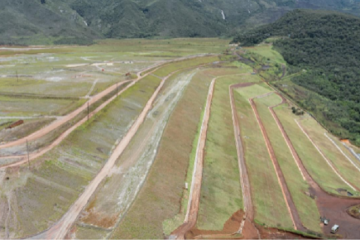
x,y
31,22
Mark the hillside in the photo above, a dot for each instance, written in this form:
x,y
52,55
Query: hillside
x,y
322,52
81,21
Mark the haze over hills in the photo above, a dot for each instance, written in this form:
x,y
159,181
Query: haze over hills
x,y
81,21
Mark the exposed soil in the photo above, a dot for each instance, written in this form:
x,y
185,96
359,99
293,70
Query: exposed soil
x,y
230,228
332,207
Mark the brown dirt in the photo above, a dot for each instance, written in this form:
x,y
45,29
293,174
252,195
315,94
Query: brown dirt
x,y
332,207
230,227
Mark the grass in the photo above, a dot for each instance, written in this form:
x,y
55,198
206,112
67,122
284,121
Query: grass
x,y
221,190
163,190
341,164
313,161
136,159
269,204
268,52
14,106
305,205
29,126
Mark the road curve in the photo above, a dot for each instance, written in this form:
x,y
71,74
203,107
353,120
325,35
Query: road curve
x,y
195,190
61,228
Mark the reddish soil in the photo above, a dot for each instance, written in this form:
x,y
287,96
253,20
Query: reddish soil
x,y
285,190
230,228
332,207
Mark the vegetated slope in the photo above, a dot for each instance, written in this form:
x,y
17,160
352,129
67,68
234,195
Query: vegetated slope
x,y
323,49
74,21
34,22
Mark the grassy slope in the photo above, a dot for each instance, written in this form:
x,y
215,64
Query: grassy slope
x,y
312,160
345,168
305,205
221,190
161,194
269,204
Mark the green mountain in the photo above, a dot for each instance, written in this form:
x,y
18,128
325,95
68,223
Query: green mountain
x,y
81,21
322,50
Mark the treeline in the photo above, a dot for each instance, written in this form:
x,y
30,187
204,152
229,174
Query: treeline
x,y
325,48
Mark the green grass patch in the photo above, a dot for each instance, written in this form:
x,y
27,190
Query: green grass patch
x,y
221,190
313,161
299,188
268,200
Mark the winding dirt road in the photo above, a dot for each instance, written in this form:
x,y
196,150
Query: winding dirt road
x,y
332,207
61,228
195,190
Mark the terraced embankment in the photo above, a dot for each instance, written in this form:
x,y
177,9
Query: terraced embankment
x,y
164,188
269,204
334,208
58,177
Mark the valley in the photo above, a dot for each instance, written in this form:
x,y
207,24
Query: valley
x,y
173,138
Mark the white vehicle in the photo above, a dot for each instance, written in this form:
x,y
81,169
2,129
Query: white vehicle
x,y
334,229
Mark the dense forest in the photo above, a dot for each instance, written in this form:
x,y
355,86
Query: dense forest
x,y
82,21
324,48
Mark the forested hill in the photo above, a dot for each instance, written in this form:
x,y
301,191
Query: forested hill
x,y
323,49
81,21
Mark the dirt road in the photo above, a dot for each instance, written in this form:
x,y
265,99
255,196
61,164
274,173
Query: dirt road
x,y
247,228
61,228
61,121
280,176
332,207
195,190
